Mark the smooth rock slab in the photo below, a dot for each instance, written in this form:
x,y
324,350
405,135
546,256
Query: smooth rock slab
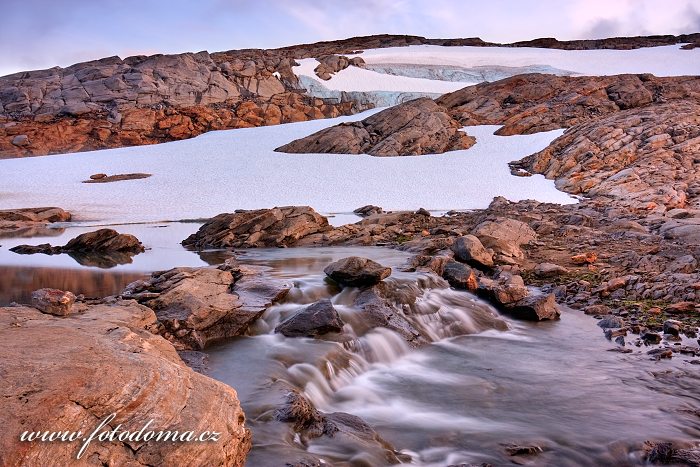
x,y
70,373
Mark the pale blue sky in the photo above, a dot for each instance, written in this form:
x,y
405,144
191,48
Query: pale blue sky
x,y
44,33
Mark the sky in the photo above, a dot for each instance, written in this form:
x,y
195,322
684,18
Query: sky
x,y
38,34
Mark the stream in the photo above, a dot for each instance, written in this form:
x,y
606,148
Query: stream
x,y
483,383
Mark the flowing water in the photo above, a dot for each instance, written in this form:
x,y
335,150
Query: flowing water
x,y
482,382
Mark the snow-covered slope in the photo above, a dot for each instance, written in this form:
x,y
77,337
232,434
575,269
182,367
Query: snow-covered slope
x,y
391,67
238,169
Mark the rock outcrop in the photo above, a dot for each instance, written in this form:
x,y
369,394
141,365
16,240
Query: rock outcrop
x,y
21,222
414,128
531,103
198,306
331,64
643,158
276,227
71,373
104,248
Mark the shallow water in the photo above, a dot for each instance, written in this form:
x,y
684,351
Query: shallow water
x,y
478,386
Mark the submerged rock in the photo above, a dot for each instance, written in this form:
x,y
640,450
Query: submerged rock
x,y
414,128
315,320
355,271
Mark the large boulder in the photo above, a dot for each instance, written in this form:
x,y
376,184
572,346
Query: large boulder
x,y
469,249
505,236
414,128
503,290
315,320
281,226
355,271
198,306
71,373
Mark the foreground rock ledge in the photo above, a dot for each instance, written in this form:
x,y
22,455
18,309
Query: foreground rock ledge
x,y
70,373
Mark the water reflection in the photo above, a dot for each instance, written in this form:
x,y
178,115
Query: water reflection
x,y
18,282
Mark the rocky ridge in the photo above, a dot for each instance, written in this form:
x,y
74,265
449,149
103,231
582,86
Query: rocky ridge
x,y
417,127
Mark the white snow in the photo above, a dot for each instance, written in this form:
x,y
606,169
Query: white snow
x,y
358,79
660,61
237,169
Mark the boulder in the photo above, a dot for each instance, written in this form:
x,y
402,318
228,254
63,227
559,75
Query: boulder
x,y
534,308
355,271
468,249
547,270
505,236
460,276
315,320
276,227
611,322
20,140
504,290
198,306
53,301
71,373
104,240
414,128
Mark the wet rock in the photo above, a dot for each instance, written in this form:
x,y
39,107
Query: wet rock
x,y
276,227
534,308
611,321
651,337
673,327
468,249
106,360
522,450
355,271
198,306
53,301
342,428
660,353
460,276
547,270
414,128
369,210
378,310
315,320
